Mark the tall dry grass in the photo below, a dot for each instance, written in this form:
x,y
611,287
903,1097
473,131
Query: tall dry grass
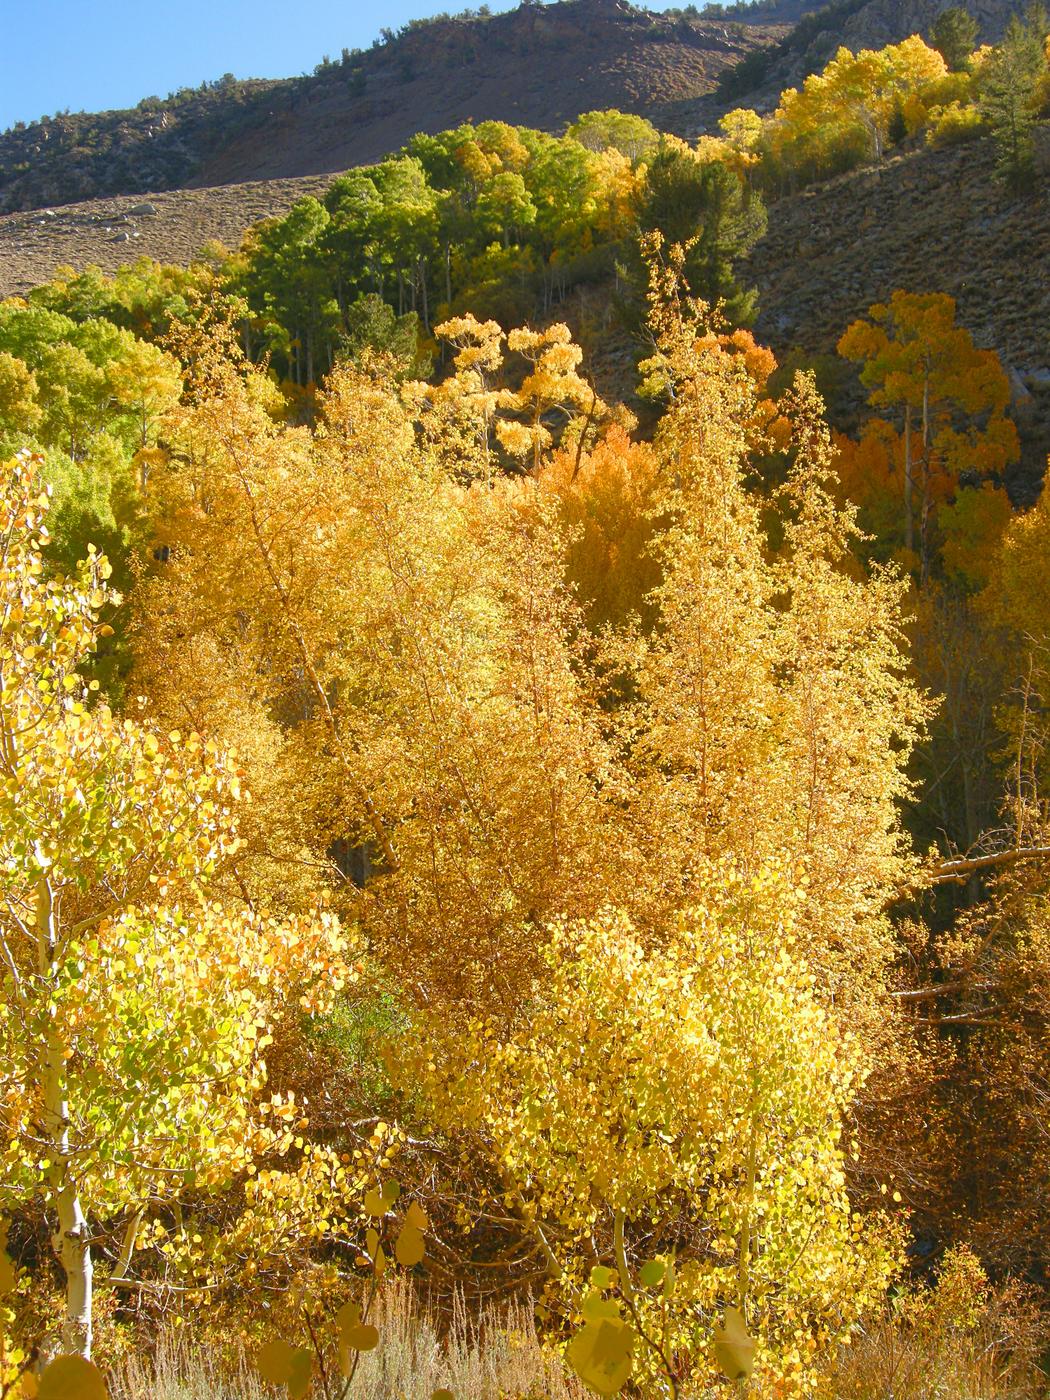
x,y
890,1363
496,1356
960,1339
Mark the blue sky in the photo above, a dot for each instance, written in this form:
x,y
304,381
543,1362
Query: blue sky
x,y
89,55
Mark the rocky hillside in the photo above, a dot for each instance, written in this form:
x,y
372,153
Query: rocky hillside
x,y
109,233
923,221
857,24
538,65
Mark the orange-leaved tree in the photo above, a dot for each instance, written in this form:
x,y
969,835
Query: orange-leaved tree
x,y
949,396
391,650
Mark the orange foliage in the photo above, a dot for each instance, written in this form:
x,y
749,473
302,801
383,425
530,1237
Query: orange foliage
x,y
607,499
951,398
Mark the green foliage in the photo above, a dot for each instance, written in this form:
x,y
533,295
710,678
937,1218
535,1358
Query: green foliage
x,y
1009,88
355,1030
88,394
715,217
954,36
372,324
497,220
636,137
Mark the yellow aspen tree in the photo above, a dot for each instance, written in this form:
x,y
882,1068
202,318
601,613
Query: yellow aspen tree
x,y
391,650
459,413
667,1125
463,413
553,383
773,711
135,1004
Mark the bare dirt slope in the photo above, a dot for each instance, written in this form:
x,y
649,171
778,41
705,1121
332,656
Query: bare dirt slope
x,y
172,227
924,221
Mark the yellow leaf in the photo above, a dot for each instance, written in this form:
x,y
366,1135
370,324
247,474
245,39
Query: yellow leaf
x,y
374,1203
410,1247
274,1361
301,1373
734,1349
416,1216
363,1337
348,1316
72,1378
601,1355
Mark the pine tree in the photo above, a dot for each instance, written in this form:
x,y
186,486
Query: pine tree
x,y
1008,86
954,36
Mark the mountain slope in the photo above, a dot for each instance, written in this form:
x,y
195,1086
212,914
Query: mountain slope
x,y
856,24
111,233
534,66
927,220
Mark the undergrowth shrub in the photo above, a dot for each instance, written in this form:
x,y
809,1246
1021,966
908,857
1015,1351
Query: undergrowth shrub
x,y
960,1339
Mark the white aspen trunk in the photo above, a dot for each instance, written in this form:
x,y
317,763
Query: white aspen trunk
x,y
71,1238
926,466
909,520
423,290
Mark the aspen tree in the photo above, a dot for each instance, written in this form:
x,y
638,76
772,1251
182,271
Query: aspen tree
x,y
135,1005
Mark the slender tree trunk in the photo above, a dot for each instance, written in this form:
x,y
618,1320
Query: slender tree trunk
x,y
909,515
926,503
71,1239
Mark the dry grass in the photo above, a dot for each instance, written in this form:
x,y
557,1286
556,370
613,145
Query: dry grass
x,y
922,1353
496,1356
961,1339
889,1365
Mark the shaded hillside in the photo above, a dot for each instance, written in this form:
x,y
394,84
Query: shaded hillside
x,y
922,221
760,77
535,66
